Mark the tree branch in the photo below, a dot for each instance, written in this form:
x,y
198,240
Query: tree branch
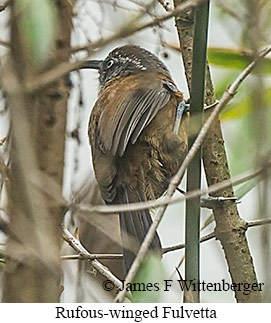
x,y
132,26
92,256
182,245
77,246
207,237
38,125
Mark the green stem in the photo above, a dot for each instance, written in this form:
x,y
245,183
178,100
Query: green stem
x,y
192,270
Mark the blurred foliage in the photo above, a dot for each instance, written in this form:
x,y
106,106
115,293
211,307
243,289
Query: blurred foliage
x,y
244,107
249,121
149,278
234,58
38,26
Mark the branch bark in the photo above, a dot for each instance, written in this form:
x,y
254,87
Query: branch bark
x,y
33,271
230,228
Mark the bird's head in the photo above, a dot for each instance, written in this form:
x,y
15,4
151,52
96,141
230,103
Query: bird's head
x,y
124,61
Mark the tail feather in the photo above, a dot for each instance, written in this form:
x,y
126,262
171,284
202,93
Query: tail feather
x,y
134,227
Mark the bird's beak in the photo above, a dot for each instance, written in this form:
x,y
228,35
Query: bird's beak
x,y
91,64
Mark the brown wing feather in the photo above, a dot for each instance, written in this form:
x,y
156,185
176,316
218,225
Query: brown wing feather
x,y
138,102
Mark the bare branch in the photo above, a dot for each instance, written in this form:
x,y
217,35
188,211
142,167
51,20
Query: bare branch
x,y
182,245
132,26
93,256
212,235
256,223
76,245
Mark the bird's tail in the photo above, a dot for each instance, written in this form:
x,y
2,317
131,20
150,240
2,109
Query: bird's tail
x,y
134,227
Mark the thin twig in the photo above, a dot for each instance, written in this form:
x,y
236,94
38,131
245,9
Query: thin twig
x,y
76,245
211,235
182,245
92,256
256,223
227,96
131,27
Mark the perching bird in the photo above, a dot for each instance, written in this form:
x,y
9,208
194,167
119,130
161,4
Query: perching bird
x,y
138,137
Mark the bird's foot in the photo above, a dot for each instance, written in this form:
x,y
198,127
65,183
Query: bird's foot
x,y
207,107
181,109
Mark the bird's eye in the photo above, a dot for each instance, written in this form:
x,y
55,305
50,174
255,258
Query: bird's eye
x,y
110,63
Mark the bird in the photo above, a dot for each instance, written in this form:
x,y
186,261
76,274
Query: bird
x,y
138,137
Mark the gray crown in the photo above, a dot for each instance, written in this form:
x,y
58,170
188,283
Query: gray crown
x,y
129,59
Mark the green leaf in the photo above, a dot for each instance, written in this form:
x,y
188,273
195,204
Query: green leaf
x,y
38,26
235,59
230,58
148,281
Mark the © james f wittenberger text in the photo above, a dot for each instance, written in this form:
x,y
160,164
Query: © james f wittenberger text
x,y
187,285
